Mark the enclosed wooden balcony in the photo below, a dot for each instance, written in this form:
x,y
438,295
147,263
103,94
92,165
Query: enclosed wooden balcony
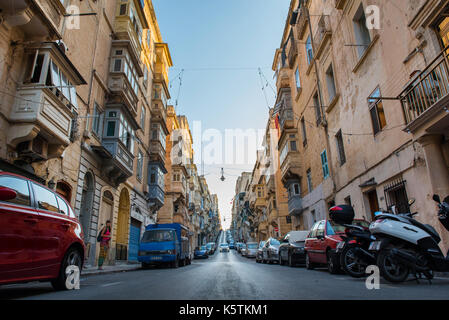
x,y
295,205
426,96
301,23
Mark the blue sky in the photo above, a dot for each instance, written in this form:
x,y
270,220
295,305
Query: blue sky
x,y
220,44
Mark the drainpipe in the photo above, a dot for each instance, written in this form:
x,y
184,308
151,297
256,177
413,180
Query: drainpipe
x,y
320,98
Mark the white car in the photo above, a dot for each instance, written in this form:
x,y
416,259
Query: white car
x,y
224,247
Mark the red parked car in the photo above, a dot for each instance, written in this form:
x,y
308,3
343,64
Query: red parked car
x,y
322,241
39,233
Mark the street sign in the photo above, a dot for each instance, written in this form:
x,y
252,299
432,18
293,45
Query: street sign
x,y
276,229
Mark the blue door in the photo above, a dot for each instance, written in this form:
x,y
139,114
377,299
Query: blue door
x,y
134,240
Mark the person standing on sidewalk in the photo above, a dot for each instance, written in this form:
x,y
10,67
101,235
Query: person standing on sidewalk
x,y
104,244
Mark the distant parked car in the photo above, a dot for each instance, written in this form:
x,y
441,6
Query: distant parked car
x,y
251,249
291,250
322,241
231,245
259,251
201,253
239,246
211,246
270,251
224,247
40,236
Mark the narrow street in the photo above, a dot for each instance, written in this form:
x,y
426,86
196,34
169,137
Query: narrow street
x,y
228,276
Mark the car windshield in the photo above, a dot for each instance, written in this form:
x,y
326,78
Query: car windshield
x,y
261,244
274,242
209,245
334,228
252,245
158,236
223,245
203,248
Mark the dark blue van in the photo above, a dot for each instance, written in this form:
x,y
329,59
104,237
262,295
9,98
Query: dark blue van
x,y
165,244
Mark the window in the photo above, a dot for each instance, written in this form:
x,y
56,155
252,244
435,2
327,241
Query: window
x,y
396,195
123,9
348,201
59,80
376,110
63,208
97,120
303,129
294,190
283,154
309,180
316,103
324,164
34,68
293,143
340,147
142,118
330,81
110,131
297,79
20,187
140,165
123,63
309,50
46,199
320,229
362,37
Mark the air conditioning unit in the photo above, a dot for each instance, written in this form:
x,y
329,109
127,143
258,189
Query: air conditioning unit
x,y
35,150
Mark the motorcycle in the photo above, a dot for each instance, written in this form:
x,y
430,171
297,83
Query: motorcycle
x,y
353,250
405,246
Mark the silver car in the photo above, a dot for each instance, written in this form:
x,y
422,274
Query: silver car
x,y
270,251
251,250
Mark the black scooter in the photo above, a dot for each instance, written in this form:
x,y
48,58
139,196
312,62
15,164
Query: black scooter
x,y
353,250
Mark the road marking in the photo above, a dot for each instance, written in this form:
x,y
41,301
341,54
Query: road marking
x,y
111,284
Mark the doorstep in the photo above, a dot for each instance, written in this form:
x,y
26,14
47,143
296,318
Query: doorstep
x,y
118,267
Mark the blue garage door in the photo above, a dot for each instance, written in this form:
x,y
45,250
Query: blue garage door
x,y
134,240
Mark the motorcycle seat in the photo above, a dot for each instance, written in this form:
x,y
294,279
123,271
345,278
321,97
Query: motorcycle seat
x,y
428,228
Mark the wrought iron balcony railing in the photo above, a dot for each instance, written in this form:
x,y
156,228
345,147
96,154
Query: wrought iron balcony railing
x,y
427,90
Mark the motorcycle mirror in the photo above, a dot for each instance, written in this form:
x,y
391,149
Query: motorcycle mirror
x,y
436,198
411,201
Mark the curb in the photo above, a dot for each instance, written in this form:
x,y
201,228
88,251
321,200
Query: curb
x,y
98,272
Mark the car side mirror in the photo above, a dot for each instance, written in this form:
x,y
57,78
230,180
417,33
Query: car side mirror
x,y
436,198
7,194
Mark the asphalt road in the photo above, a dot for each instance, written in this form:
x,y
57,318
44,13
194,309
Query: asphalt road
x,y
232,277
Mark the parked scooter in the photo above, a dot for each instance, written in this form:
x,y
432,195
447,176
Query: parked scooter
x,y
354,254
407,246
353,250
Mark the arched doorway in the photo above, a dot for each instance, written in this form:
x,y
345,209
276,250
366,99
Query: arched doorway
x,y
123,226
106,213
86,205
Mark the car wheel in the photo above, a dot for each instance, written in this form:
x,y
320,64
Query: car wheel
x,y
309,264
71,258
350,263
332,264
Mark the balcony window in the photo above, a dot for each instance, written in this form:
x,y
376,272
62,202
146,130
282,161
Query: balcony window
x,y
158,134
362,37
309,50
123,9
283,154
142,118
294,190
376,110
156,176
97,120
121,62
158,93
297,79
41,69
140,165
324,164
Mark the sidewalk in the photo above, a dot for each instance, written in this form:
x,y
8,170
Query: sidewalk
x,y
118,267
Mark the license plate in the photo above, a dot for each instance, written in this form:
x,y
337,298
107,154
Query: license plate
x,y
375,246
340,246
156,258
